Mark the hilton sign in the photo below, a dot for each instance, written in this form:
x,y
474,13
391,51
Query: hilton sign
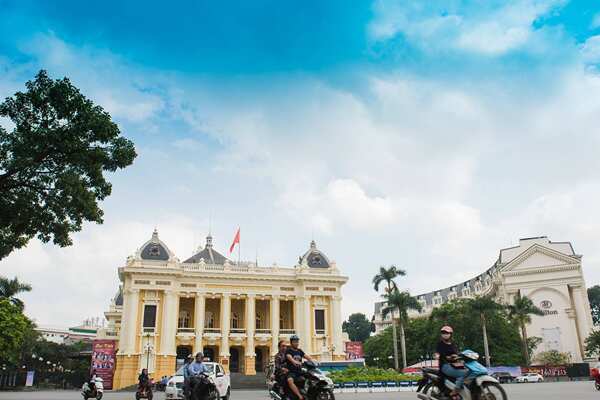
x,y
546,305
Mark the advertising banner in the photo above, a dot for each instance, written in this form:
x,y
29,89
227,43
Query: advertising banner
x,y
29,379
354,351
104,359
558,370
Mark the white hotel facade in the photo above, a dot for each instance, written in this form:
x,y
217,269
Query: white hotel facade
x,y
549,273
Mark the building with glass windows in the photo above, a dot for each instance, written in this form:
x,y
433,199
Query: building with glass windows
x,y
549,273
235,313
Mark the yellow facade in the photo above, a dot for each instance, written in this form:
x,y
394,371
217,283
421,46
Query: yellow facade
x,y
234,313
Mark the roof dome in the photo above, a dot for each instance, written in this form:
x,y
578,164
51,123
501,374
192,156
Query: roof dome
x,y
155,249
208,254
315,258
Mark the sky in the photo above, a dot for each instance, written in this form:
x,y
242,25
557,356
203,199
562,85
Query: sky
x,y
428,135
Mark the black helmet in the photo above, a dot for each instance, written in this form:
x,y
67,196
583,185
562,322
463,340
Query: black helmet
x,y
294,337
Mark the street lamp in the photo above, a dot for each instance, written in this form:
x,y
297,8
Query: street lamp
x,y
148,349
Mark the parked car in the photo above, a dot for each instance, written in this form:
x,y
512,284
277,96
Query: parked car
x,y
530,377
503,377
216,372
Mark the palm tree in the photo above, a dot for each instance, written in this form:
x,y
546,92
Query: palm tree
x,y
400,302
9,288
520,312
484,305
388,275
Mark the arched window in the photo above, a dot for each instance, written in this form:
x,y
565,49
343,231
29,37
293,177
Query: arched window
x,y
235,321
209,321
184,319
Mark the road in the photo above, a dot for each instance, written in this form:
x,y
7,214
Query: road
x,y
531,391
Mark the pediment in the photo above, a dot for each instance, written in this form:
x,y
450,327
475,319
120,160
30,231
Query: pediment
x,y
538,256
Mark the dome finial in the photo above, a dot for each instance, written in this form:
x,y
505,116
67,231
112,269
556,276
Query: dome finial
x,y
209,241
313,244
155,235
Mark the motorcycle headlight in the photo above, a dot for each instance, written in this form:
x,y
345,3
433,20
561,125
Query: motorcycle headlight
x,y
328,380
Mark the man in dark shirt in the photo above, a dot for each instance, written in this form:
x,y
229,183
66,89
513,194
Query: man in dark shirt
x,y
294,356
281,370
144,380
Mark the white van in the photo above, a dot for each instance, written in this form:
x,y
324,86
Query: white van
x,y
174,389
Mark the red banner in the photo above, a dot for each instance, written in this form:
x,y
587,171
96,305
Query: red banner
x,y
104,359
354,350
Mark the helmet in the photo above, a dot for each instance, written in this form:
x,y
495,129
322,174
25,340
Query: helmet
x,y
294,337
447,328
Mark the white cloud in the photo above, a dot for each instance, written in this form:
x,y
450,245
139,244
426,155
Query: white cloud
x,y
489,29
433,175
590,50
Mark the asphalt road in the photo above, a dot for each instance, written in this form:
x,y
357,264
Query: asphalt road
x,y
525,391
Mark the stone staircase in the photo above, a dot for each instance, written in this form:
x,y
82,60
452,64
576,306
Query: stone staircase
x,y
246,382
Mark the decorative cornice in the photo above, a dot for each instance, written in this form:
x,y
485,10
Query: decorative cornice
x,y
539,270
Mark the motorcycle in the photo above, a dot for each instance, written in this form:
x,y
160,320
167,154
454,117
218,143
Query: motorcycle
x,y
312,383
478,384
93,392
202,387
144,391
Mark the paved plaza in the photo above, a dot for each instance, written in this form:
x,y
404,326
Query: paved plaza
x,y
533,391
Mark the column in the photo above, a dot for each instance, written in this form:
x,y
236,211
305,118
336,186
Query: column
x,y
250,326
274,323
168,332
299,316
336,334
225,325
583,316
199,310
573,346
308,330
129,326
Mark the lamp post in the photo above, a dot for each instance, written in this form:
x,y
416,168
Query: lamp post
x,y
148,347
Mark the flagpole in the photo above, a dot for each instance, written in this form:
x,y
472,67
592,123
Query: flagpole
x,y
239,247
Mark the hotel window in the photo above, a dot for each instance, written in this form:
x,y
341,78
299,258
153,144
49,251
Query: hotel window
x,y
259,324
149,318
320,322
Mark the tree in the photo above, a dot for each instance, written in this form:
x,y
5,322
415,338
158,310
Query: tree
x,y
13,327
52,163
9,288
520,312
401,302
552,357
358,327
387,276
592,344
484,305
594,298
533,342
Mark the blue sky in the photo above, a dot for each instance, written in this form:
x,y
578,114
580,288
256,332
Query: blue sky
x,y
425,134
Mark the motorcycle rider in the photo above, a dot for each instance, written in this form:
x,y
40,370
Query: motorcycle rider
x,y
294,356
281,371
144,380
186,377
447,354
92,381
196,368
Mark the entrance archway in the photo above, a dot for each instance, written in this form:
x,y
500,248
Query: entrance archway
x,y
261,358
182,353
210,352
234,360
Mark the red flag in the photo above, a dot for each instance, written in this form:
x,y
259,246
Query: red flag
x,y
236,239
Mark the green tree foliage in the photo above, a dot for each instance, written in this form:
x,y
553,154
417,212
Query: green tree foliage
x,y
520,312
358,327
401,303
52,162
13,329
422,335
388,276
552,357
483,306
10,288
594,298
592,344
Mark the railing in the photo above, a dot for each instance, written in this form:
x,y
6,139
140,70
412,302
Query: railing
x,y
237,330
149,330
185,330
320,331
263,331
111,333
287,331
212,330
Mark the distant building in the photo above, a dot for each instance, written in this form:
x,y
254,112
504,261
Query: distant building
x,y
85,332
549,273
233,312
